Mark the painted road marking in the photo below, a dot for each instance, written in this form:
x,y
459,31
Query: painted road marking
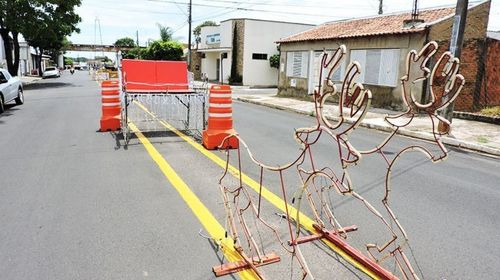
x,y
211,225
306,222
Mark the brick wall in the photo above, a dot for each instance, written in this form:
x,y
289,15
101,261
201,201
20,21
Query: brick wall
x,y
491,86
473,53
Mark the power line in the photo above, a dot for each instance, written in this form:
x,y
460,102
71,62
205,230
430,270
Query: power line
x,y
289,5
248,9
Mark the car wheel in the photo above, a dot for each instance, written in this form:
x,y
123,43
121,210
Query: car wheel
x,y
20,97
2,109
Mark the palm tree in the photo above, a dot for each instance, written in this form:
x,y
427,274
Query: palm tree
x,y
165,32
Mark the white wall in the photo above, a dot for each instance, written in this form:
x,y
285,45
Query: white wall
x,y
226,34
208,30
208,65
226,63
260,37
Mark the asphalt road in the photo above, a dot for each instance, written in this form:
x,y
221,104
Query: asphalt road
x,y
77,204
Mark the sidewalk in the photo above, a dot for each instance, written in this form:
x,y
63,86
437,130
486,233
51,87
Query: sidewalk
x,y
471,135
26,80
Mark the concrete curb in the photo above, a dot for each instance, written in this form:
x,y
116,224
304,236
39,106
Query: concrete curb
x,y
477,117
419,135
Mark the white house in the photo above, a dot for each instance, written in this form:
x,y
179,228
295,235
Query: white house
x,y
250,43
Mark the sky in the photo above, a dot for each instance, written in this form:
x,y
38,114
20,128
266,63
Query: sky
x,y
114,19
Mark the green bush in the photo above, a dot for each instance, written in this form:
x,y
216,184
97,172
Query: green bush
x,y
159,50
135,53
274,61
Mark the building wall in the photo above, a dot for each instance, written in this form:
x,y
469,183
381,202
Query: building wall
x,y
491,85
208,30
383,96
209,66
472,59
473,53
260,37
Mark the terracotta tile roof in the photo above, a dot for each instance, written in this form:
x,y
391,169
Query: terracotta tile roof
x,y
378,25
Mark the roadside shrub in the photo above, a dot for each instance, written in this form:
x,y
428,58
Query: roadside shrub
x,y
159,50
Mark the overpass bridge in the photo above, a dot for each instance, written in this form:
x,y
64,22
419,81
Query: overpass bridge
x,y
100,48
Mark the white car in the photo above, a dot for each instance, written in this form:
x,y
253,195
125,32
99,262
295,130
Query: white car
x,y
51,72
10,89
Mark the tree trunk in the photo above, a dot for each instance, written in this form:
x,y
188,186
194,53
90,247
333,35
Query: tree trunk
x,y
39,58
16,51
8,51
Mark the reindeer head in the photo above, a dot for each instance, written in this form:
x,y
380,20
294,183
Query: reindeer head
x,y
353,99
416,72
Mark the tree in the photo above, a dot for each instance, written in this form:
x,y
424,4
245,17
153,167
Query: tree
x,y
45,22
68,61
125,42
135,53
13,14
160,50
166,32
197,30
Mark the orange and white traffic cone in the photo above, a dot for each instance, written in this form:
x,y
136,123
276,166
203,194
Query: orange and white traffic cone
x,y
111,108
220,119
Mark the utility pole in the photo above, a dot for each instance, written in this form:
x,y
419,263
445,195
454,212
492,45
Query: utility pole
x,y
137,37
456,42
380,10
190,10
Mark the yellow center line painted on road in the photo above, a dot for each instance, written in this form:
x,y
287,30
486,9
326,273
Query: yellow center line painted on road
x,y
279,203
211,225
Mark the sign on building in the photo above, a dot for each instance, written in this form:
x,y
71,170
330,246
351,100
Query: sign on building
x,y
213,38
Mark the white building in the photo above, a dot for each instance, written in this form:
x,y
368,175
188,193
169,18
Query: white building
x,y
250,42
27,58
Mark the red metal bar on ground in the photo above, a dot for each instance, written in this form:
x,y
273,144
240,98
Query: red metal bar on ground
x,y
228,268
355,254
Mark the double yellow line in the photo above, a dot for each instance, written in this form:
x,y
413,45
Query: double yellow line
x,y
275,200
211,225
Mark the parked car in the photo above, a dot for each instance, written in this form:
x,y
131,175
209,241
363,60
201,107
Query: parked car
x,y
51,72
11,89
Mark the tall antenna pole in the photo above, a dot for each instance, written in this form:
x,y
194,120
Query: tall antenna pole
x,y
100,34
380,10
137,37
95,37
190,9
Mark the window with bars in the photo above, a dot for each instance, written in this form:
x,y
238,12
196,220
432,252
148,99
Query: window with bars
x,y
259,56
296,64
336,76
378,66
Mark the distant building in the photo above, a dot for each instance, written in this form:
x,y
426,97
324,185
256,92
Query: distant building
x,y
27,58
380,44
250,42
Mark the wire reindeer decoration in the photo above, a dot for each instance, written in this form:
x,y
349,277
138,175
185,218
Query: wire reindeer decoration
x,y
353,104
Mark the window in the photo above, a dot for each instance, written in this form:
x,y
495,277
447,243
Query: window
x,y
296,64
259,56
7,75
336,76
378,66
